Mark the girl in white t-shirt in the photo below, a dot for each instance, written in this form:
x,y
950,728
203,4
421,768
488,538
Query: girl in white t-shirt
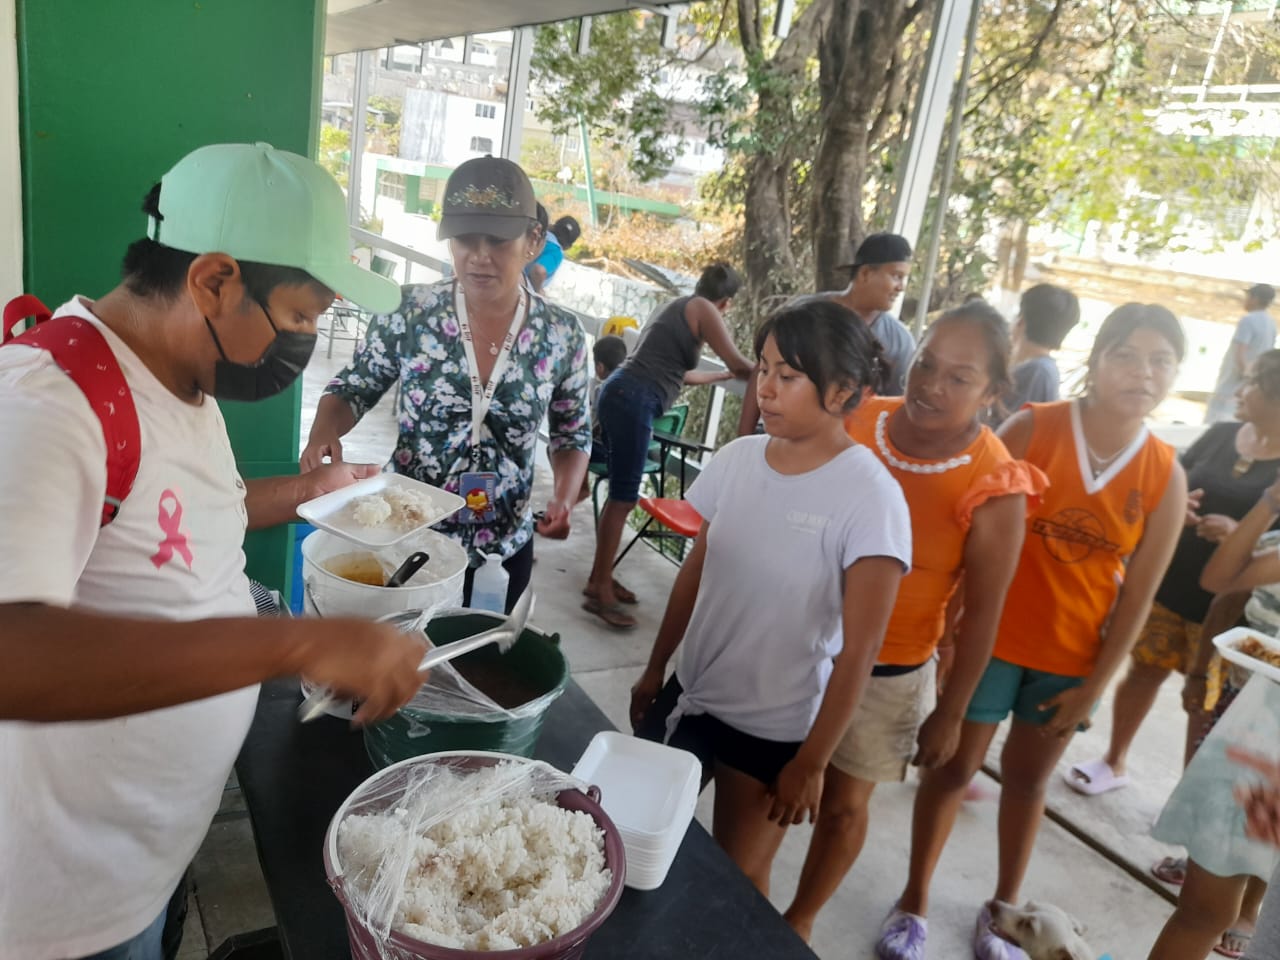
x,y
781,605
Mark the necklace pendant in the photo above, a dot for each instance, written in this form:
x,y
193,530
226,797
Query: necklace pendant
x,y
493,349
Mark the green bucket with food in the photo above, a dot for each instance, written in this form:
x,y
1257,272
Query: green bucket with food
x,y
483,700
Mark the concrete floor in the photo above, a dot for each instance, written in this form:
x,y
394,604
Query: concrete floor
x,y
1093,880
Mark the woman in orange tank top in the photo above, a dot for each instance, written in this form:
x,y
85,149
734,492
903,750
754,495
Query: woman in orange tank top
x,y
1095,550
968,504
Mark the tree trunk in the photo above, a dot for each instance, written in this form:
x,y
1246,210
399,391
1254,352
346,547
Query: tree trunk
x,y
839,172
768,260
857,81
1021,254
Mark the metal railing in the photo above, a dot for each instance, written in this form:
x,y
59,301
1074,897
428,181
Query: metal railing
x,y
1257,96
435,269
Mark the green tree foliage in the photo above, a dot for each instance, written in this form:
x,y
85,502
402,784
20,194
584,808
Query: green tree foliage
x,y
334,153
613,86
540,157
383,125
1067,124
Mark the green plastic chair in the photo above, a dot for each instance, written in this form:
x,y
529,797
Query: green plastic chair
x,y
671,422
382,266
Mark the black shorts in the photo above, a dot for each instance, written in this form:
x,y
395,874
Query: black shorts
x,y
713,741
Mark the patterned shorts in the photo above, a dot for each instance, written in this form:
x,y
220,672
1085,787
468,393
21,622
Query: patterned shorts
x,y
1171,642
1167,641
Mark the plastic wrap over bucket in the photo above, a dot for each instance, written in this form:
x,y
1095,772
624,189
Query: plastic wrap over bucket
x,y
436,585
379,793
451,713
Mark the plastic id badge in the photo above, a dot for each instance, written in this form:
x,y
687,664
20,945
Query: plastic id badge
x,y
479,490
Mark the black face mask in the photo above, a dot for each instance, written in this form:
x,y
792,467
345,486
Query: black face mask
x,y
277,368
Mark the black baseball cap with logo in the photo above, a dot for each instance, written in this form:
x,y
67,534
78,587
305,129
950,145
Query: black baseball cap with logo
x,y
490,196
567,231
880,248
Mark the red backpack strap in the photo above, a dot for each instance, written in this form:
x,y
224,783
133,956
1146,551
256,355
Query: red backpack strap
x,y
80,349
18,309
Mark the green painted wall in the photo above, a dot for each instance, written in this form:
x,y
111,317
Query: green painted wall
x,y
111,94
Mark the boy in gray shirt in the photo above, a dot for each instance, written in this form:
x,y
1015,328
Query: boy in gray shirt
x,y
1046,315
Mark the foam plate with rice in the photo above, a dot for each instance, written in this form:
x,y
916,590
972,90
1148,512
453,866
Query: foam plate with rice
x,y
380,511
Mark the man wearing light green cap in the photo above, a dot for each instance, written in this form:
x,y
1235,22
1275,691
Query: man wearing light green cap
x,y
144,607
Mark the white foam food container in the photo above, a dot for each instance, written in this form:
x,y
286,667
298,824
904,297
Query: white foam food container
x,y
642,783
649,791
1229,644
334,512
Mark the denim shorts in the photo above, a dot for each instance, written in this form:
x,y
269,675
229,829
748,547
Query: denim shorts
x,y
1008,688
627,407
145,946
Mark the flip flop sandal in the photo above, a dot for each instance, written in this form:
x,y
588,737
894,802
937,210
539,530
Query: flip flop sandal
x,y
622,593
1171,870
1240,937
988,945
902,936
1094,777
613,614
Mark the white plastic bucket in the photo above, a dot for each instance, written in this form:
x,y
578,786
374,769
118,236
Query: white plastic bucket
x,y
437,584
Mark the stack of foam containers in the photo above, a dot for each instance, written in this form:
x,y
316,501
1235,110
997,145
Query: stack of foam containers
x,y
649,790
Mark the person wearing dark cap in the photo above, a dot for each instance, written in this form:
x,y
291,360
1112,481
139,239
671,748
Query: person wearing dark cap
x,y
1255,334
560,236
880,267
479,361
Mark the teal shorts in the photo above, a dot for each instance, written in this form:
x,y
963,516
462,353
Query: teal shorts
x,y
1008,688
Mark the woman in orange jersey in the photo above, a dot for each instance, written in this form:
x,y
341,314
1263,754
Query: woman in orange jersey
x,y
967,499
1095,550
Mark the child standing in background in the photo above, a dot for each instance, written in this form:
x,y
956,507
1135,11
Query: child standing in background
x,y
1046,315
608,354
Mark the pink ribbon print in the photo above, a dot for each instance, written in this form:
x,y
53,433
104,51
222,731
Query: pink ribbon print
x,y
175,540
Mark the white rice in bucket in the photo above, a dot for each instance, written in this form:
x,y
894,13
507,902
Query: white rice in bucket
x,y
498,874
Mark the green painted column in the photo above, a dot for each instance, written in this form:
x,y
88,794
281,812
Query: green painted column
x,y
111,94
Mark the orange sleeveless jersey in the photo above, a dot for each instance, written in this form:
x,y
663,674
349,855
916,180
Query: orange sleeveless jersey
x,y
1078,540
941,506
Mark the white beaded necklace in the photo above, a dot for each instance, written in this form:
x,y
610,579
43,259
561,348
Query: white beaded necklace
x,y
940,466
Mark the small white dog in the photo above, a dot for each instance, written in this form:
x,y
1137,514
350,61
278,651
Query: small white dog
x,y
1043,931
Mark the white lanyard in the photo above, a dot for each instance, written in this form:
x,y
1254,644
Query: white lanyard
x,y
482,396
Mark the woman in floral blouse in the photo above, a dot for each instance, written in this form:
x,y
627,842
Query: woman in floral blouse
x,y
480,360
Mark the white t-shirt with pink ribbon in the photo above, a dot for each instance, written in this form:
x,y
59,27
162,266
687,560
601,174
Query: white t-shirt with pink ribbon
x,y
98,820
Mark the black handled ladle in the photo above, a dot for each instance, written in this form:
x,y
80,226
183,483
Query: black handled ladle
x,y
412,565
